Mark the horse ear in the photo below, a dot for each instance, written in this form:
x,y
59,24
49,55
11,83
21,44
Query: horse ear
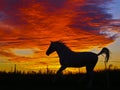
x,y
60,41
51,41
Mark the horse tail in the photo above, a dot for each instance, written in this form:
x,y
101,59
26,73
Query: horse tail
x,y
105,51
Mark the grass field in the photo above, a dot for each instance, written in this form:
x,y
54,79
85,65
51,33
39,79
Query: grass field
x,y
20,80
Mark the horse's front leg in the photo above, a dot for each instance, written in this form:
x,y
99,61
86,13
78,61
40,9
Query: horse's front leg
x,y
59,72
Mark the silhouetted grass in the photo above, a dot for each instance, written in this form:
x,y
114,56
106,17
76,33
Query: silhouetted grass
x,y
102,79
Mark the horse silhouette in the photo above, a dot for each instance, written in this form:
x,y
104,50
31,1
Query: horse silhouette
x,y
69,58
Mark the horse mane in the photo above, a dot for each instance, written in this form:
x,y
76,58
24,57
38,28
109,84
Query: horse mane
x,y
63,44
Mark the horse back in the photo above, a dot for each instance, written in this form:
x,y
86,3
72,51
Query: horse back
x,y
83,58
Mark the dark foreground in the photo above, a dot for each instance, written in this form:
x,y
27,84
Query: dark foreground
x,y
38,81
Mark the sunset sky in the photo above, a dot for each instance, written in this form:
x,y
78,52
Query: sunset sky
x,y
28,26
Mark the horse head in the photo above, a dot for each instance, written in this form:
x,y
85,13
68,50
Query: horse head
x,y
51,48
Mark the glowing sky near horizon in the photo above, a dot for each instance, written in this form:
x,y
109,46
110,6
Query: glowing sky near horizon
x,y
28,26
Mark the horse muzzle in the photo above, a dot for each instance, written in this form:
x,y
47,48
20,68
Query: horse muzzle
x,y
47,54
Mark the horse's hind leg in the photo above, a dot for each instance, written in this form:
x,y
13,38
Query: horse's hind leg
x,y
90,75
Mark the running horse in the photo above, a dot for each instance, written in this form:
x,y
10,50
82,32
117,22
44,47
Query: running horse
x,y
69,58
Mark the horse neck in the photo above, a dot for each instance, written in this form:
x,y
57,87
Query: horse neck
x,y
62,51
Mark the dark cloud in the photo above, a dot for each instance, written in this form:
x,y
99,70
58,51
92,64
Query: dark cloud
x,y
90,17
2,16
10,9
53,3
